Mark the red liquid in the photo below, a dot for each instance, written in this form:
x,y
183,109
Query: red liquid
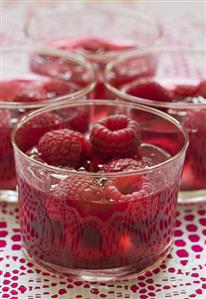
x,y
98,235
91,46
194,171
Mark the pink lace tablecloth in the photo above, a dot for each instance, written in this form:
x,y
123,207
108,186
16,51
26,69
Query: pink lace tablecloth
x,y
181,276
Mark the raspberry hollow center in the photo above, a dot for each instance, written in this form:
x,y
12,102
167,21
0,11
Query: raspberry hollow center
x,y
116,124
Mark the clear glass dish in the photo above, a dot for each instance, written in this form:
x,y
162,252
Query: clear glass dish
x,y
29,82
99,225
182,73
100,34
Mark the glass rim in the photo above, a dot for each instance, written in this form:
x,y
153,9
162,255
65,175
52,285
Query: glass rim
x,y
72,57
139,53
149,20
99,102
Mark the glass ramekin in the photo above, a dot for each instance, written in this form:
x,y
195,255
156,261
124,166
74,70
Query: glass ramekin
x,y
119,27
174,67
96,234
20,66
95,29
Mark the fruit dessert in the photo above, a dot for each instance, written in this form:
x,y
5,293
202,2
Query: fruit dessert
x,y
85,201
191,112
90,47
21,92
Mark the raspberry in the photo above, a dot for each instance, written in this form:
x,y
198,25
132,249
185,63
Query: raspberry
x,y
78,203
195,120
30,133
57,87
29,91
115,136
5,118
8,90
183,91
126,165
149,90
46,119
129,188
76,119
202,89
126,187
73,192
61,147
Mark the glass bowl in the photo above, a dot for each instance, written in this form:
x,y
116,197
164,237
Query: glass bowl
x,y
180,74
26,84
99,33
93,222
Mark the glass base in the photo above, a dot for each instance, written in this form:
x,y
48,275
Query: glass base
x,y
102,275
8,196
194,196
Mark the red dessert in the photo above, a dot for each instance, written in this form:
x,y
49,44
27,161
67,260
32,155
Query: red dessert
x,y
91,47
26,91
76,219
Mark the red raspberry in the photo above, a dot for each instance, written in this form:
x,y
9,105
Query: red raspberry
x,y
195,120
202,89
73,193
8,90
78,203
46,119
149,90
56,87
183,91
115,136
62,147
30,91
76,119
5,118
126,188
126,164
30,133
